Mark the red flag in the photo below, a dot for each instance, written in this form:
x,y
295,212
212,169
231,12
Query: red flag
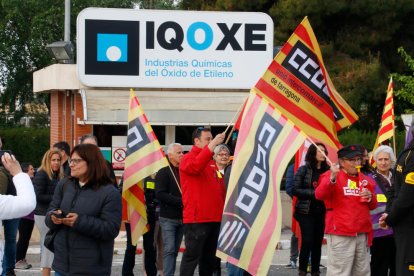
x,y
298,84
387,128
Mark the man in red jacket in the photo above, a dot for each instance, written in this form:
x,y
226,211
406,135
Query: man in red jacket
x,y
203,200
348,197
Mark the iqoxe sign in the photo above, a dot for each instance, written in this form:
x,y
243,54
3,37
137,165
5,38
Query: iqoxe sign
x,y
172,49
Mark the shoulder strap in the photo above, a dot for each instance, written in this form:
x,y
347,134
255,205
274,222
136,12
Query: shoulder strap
x,y
378,180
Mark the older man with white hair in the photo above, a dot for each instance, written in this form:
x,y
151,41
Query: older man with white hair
x,y
168,193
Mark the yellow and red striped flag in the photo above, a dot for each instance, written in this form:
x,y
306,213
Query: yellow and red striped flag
x,y
298,84
144,157
251,224
387,128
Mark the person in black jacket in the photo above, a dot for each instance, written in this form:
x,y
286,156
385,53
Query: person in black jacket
x,y
45,182
310,212
168,193
86,214
150,250
294,246
400,211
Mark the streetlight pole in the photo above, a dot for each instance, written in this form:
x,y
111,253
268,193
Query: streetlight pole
x,y
67,21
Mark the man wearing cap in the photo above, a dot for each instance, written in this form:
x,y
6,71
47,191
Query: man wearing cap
x,y
348,197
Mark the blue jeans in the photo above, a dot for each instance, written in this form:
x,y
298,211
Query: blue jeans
x,y
10,233
172,235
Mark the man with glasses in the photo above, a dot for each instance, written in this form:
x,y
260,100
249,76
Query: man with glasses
x,y
348,196
203,200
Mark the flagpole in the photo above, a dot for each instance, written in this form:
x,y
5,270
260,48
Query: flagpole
x,y
393,140
321,151
176,181
232,121
234,117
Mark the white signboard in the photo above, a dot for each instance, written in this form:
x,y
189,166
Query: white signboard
x,y
172,49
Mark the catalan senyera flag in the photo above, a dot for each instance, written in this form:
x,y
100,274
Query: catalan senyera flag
x,y
298,84
144,157
387,128
251,222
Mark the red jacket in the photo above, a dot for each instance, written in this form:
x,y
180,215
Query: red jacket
x,y
346,215
202,186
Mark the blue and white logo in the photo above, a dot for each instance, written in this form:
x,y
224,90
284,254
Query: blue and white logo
x,y
112,47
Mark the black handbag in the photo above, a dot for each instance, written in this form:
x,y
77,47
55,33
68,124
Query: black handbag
x,y
50,239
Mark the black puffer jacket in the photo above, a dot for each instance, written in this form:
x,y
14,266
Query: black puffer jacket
x,y
303,189
44,189
87,247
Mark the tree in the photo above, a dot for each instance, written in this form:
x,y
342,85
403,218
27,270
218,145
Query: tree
x,y
358,40
405,92
160,4
26,27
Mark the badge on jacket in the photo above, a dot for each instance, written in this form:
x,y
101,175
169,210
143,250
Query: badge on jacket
x,y
409,179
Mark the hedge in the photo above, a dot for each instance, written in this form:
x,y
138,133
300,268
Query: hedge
x,y
27,144
367,139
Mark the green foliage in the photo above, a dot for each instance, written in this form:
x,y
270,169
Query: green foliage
x,y
26,27
227,5
27,144
405,91
358,40
356,28
360,83
160,4
367,138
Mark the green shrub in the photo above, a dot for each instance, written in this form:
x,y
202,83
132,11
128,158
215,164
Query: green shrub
x,y
27,144
367,139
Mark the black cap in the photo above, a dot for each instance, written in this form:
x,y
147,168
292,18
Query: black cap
x,y
361,148
349,151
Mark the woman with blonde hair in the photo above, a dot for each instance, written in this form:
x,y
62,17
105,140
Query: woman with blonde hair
x,y
45,181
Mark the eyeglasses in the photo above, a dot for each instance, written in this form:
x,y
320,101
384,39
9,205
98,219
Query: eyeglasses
x,y
75,161
354,160
223,155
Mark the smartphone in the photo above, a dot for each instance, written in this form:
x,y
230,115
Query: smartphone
x,y
61,215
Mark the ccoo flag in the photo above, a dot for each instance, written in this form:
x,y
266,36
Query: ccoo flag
x,y
387,128
297,83
144,157
251,223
